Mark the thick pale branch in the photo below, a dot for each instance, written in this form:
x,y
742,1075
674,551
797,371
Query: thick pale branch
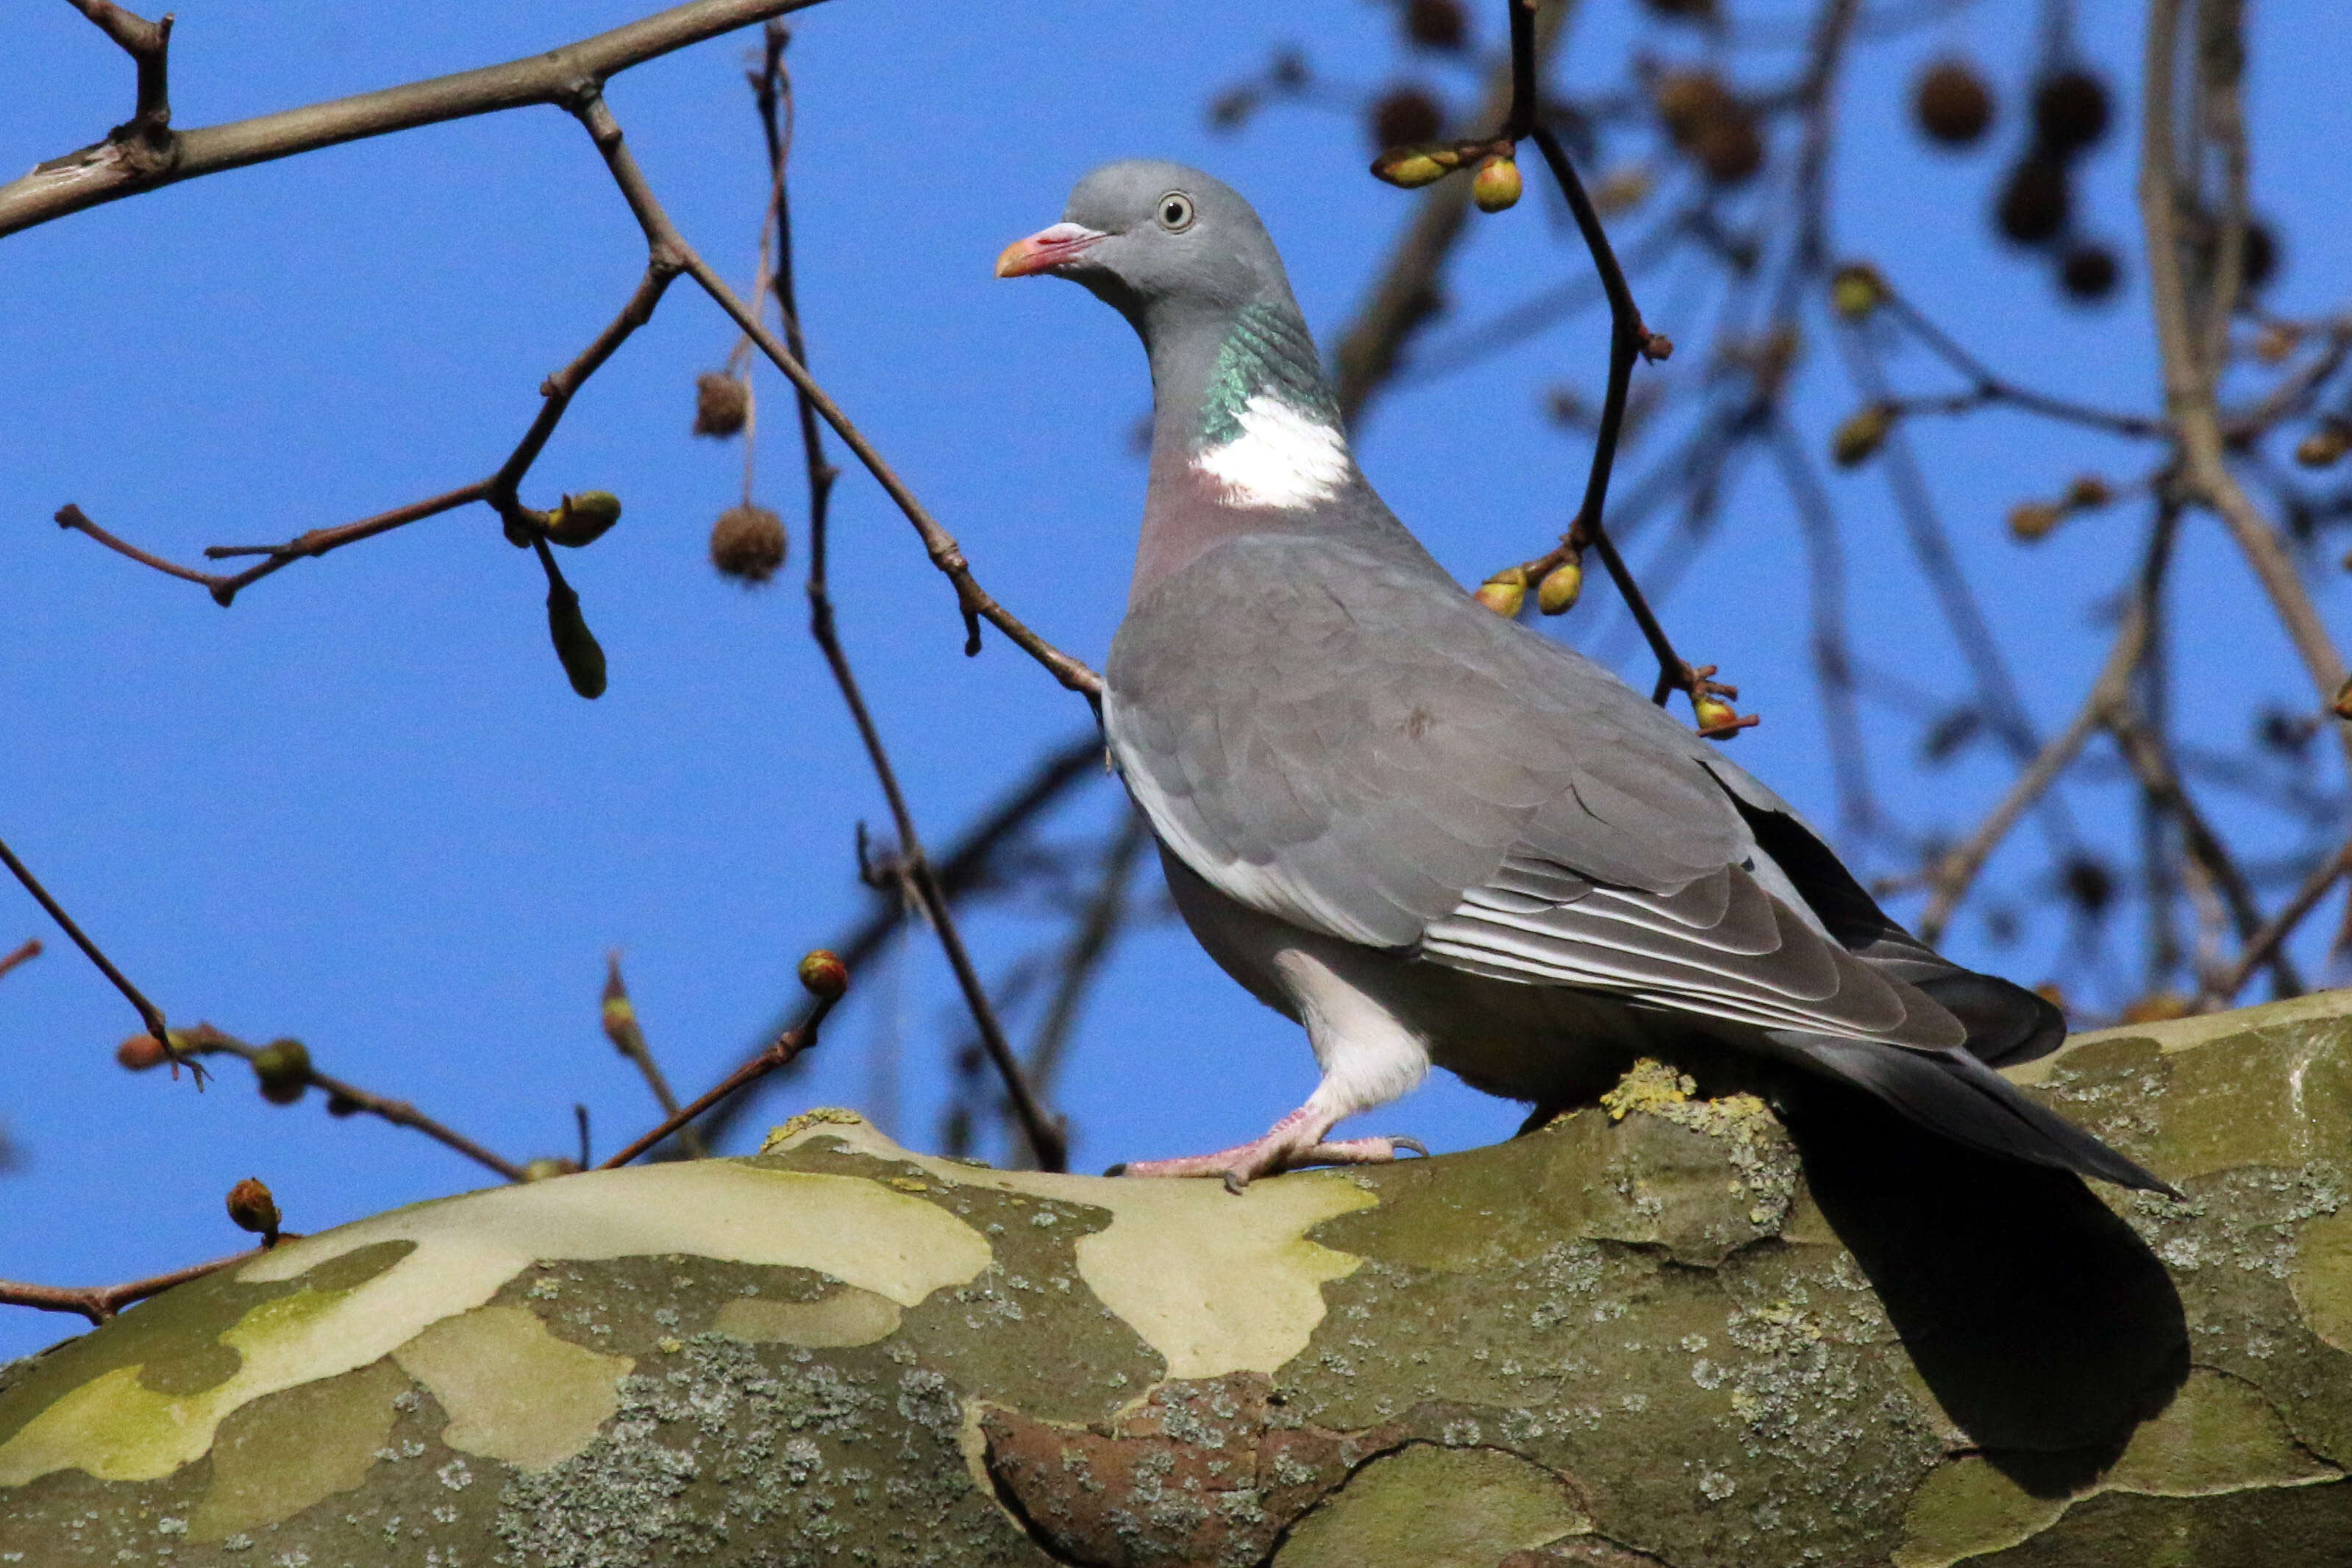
x,y
106,172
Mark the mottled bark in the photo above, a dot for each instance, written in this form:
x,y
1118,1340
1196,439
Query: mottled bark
x,y
1664,1329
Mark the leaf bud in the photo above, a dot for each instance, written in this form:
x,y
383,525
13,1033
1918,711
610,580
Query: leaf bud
x,y
722,402
747,543
140,1052
583,518
1495,186
1864,432
1561,586
548,1165
575,645
1504,592
1712,712
2323,446
824,976
2032,521
1856,290
250,1207
2088,493
283,1068
1414,167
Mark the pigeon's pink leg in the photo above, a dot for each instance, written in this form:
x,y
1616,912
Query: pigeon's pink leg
x,y
1295,1142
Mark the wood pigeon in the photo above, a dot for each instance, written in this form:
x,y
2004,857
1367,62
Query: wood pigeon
x,y
1429,833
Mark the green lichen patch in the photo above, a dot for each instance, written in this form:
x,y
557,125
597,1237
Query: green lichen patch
x,y
1436,1508
844,1317
275,1457
2321,1280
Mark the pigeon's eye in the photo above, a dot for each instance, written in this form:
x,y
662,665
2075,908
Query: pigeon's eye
x,y
1175,212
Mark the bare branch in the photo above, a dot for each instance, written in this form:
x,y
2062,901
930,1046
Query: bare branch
x,y
147,134
149,1013
2222,990
790,1044
628,1037
108,171
100,1302
24,953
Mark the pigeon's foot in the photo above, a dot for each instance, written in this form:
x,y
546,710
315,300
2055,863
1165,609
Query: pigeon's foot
x,y
1291,1144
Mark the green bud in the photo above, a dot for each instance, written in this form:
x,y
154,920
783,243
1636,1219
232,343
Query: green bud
x,y
1856,290
1414,167
283,1068
583,518
1864,432
1497,185
575,645
1506,593
825,975
1561,587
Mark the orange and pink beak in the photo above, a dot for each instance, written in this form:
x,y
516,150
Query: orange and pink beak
x,y
1048,250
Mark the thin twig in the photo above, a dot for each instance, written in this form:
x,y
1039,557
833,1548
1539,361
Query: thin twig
x,y
148,44
1089,947
628,1037
1045,1140
788,1045
2222,990
100,1302
149,1013
25,953
1987,386
345,1099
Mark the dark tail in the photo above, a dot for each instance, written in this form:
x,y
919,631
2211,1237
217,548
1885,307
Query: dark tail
x,y
1953,1093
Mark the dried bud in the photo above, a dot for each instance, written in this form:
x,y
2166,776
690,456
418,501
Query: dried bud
x,y
2089,272
747,543
1857,289
1414,167
1504,592
1497,185
2033,519
2070,112
140,1052
575,645
620,1013
583,518
1436,25
824,976
1558,593
1864,432
2323,446
1406,116
283,1070
1230,110
251,1207
2088,493
722,402
1953,103
548,1165
342,1105
2342,706
1712,712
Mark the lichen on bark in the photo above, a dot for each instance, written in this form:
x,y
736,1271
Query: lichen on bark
x,y
1661,1329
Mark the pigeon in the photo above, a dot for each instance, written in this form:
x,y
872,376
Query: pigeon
x,y
1426,833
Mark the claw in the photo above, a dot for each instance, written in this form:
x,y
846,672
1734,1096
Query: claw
x,y
1235,1182
1416,1144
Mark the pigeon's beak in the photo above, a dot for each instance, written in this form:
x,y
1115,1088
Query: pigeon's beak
x,y
1048,250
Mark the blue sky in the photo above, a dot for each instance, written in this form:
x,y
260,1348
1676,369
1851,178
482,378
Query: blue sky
x,y
362,808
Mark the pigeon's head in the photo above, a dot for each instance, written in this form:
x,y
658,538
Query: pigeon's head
x,y
1150,237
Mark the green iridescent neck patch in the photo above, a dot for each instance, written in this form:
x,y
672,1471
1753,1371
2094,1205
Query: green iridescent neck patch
x,y
1268,351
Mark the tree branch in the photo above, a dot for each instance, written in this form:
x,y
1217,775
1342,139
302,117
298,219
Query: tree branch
x,y
147,134
149,1013
2220,991
101,1302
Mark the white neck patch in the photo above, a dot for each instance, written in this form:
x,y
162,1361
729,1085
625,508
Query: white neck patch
x,y
1282,458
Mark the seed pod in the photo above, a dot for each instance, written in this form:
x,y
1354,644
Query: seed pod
x,y
1953,105
2070,112
1856,290
2320,449
2089,271
1712,712
1506,593
1561,587
1436,25
583,518
548,1165
575,645
2032,521
824,976
1864,431
2035,202
1689,101
722,402
140,1052
747,543
283,1070
250,1207
1495,186
1404,116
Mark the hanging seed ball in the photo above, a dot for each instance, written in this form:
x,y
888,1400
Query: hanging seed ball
x,y
1952,103
283,1068
2034,202
2070,112
1406,116
2089,271
1230,110
250,1207
1689,100
2258,263
721,404
1288,70
1436,25
1495,186
747,543
1729,147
